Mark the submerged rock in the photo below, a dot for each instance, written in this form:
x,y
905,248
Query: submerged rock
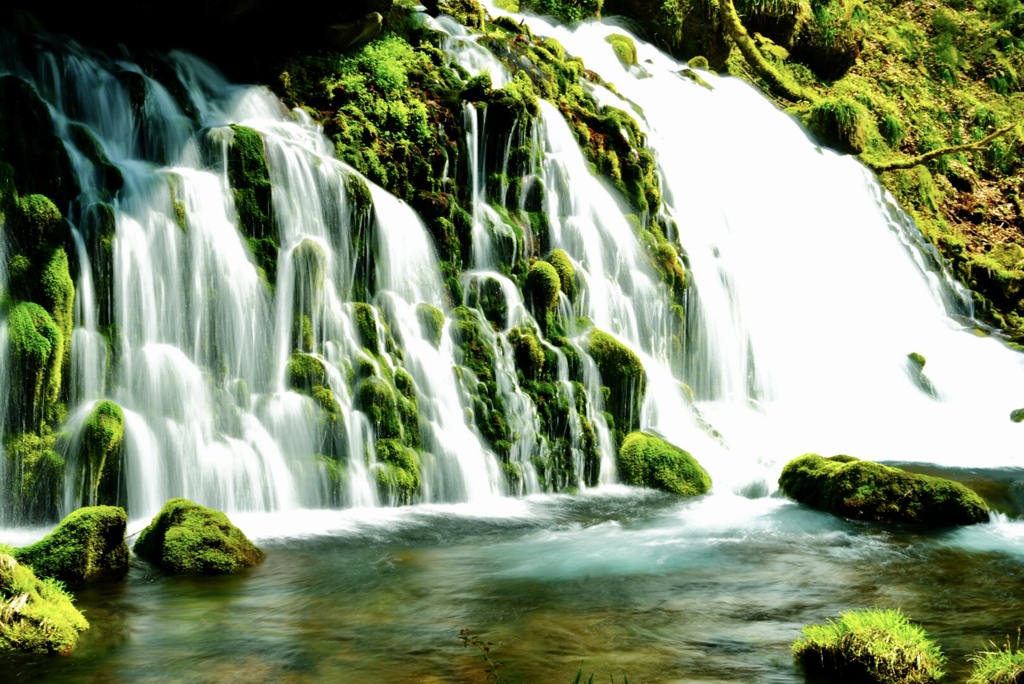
x,y
87,544
36,615
647,461
186,538
862,490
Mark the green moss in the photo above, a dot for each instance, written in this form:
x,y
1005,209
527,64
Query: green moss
x,y
366,325
36,616
466,12
915,367
249,177
87,544
648,461
37,475
58,297
1017,415
625,49
376,399
304,372
529,353
39,223
101,443
873,646
186,538
37,353
399,473
862,490
840,123
431,322
566,11
541,288
566,272
623,374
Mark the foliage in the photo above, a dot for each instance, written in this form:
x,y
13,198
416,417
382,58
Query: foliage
x,y
1002,665
624,375
36,615
186,538
871,646
846,486
101,443
87,544
249,177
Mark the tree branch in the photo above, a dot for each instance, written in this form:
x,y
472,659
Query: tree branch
x,y
897,164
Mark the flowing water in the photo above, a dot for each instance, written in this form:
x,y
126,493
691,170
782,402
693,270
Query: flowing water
x,y
809,289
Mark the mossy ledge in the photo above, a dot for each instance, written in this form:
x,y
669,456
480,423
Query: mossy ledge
x,y
36,615
649,461
623,374
87,544
872,646
186,538
862,490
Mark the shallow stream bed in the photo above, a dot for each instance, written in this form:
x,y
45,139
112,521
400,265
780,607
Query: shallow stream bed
x,y
621,582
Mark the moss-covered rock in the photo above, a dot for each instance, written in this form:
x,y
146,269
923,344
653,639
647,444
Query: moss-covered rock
x,y
862,490
37,354
623,374
36,476
466,12
186,538
101,440
376,399
304,372
648,461
249,177
915,368
398,474
366,326
57,295
625,49
36,615
87,544
542,288
431,322
566,272
566,11
840,123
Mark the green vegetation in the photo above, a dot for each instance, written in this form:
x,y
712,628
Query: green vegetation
x,y
305,372
846,486
87,544
566,272
1003,665
648,461
250,184
36,616
870,646
542,288
37,354
915,366
101,445
625,49
431,322
37,475
186,538
624,376
398,475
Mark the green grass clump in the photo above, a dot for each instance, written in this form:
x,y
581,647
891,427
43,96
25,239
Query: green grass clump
x,y
186,538
871,646
1001,666
87,543
846,486
36,615
647,461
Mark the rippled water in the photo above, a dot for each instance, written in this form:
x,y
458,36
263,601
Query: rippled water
x,y
621,582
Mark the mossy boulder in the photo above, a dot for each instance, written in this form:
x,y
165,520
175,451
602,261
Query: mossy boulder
x,y
304,372
87,544
565,270
398,472
366,326
862,490
872,646
186,538
101,441
827,42
36,615
466,12
915,368
624,47
36,354
624,375
542,288
377,400
35,490
648,461
431,322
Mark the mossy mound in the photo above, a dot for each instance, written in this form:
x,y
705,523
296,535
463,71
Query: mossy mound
x,y
36,353
377,400
35,492
542,288
87,544
186,538
829,41
398,475
862,490
870,646
36,615
304,372
648,461
624,376
625,49
431,322
466,12
101,444
839,123
566,272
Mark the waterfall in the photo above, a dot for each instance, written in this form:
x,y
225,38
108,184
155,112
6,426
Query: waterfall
x,y
272,351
